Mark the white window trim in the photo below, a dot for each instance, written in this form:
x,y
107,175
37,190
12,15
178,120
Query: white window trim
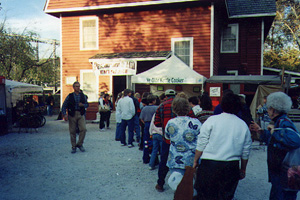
x,y
191,39
97,32
237,40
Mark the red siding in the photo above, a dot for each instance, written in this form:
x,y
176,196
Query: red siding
x,y
138,31
248,59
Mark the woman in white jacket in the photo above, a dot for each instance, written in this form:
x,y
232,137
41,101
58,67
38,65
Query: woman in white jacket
x,y
224,140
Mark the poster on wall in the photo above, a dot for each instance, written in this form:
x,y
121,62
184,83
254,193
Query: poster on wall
x,y
215,91
114,67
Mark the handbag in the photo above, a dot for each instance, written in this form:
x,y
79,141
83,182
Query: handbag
x,y
290,171
185,189
105,109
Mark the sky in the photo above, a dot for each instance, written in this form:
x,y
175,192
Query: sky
x,y
20,15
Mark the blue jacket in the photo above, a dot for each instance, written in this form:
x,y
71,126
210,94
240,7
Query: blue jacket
x,y
285,137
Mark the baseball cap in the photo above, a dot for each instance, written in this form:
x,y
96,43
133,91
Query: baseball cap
x,y
170,92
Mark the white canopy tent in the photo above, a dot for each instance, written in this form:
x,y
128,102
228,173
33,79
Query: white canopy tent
x,y
171,71
15,91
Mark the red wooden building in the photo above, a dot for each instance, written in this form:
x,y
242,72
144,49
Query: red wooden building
x,y
213,37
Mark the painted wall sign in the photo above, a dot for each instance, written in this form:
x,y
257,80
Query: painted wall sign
x,y
114,67
215,91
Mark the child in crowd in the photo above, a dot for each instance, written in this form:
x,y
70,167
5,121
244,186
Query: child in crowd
x,y
157,138
145,117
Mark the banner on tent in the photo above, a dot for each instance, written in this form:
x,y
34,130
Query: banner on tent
x,y
169,80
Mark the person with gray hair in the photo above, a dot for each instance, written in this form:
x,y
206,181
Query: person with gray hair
x,y
182,131
281,137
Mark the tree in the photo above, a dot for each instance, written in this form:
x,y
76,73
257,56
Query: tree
x,y
18,60
283,42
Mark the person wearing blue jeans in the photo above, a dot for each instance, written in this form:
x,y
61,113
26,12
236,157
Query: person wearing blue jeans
x,y
124,124
163,169
126,109
147,143
137,127
157,141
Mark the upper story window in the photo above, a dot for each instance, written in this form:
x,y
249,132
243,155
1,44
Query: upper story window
x,y
183,48
89,33
229,41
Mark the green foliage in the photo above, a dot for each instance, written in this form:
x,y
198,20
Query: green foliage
x,y
18,59
283,42
290,59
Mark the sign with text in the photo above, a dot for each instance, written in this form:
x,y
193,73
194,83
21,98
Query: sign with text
x,y
114,67
215,91
172,80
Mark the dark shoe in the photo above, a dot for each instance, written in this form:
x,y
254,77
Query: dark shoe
x,y
118,139
130,145
73,150
123,144
159,188
81,148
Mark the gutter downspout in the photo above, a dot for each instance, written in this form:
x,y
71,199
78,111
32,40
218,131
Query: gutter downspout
x,y
212,40
262,47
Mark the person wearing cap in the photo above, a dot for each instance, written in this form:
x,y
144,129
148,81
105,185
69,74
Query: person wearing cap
x,y
163,114
281,137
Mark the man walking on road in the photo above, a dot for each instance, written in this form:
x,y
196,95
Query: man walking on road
x,y
75,103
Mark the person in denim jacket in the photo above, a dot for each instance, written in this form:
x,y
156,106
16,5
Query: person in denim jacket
x,y
281,137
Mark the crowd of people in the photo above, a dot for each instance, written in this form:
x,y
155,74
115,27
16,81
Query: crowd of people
x,y
175,132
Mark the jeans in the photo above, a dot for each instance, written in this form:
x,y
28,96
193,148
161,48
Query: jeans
x,y
163,169
49,110
124,124
118,131
147,143
277,192
137,127
157,141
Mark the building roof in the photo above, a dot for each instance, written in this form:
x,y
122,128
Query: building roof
x,y
250,8
246,79
134,55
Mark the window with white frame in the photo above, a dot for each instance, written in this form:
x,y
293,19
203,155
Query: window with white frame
x,y
89,84
229,41
89,33
183,48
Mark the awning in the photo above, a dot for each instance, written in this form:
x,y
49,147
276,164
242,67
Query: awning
x,y
19,87
171,71
15,91
246,79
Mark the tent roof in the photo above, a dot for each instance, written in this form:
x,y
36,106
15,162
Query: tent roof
x,y
171,71
19,87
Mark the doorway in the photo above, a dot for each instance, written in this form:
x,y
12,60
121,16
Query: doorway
x,y
119,84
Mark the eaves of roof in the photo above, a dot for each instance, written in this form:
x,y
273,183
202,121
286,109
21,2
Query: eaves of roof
x,y
253,8
150,55
246,79
113,6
